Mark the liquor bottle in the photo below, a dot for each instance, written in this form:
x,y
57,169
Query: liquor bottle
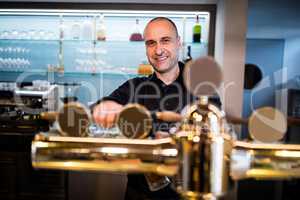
x,y
188,56
197,31
145,68
101,29
136,35
75,30
61,28
87,30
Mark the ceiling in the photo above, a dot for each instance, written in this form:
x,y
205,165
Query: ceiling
x,y
129,1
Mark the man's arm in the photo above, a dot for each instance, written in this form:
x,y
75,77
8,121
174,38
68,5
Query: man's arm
x,y
106,110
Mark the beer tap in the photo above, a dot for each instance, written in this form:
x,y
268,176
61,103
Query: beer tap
x,y
203,152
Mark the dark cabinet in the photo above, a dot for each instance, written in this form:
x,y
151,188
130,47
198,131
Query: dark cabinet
x,y
19,181
293,109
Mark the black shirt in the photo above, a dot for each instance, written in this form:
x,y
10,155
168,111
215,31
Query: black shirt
x,y
155,95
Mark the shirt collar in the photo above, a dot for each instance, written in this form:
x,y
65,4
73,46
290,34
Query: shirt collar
x,y
179,79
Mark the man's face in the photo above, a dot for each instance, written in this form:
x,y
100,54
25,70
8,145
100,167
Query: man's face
x,y
162,45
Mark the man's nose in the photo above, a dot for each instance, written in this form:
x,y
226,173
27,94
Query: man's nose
x,y
159,49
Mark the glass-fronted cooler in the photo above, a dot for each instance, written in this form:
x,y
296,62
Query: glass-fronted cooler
x,y
98,49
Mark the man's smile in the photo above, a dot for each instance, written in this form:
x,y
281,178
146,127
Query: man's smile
x,y
161,58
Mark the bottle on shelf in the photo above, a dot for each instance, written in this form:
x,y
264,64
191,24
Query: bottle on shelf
x,y
101,29
61,28
197,31
87,30
145,68
136,35
75,30
188,55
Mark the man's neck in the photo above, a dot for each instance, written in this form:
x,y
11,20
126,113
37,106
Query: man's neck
x,y
170,76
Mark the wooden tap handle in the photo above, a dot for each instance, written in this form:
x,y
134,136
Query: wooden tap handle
x,y
291,121
236,120
168,116
50,116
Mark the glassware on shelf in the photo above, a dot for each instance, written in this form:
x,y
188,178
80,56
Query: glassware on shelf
x,y
1,63
9,50
78,65
23,35
5,34
14,34
41,35
18,50
25,63
100,50
6,63
90,65
136,34
50,35
14,64
31,34
51,68
19,65
90,51
13,51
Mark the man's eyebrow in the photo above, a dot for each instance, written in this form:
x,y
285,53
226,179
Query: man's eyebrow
x,y
166,37
148,41
162,38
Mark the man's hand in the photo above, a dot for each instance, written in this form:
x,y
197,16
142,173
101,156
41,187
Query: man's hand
x,y
105,114
161,134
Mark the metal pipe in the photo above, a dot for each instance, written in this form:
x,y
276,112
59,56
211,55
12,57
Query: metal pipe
x,y
265,161
102,154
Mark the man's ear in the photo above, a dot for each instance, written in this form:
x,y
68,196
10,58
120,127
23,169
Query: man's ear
x,y
179,41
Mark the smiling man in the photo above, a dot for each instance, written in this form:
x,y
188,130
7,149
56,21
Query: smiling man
x,y
161,91
162,48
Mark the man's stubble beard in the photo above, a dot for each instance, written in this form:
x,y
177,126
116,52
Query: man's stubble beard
x,y
173,65
163,71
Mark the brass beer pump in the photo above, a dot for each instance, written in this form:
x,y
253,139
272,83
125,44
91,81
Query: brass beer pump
x,y
203,151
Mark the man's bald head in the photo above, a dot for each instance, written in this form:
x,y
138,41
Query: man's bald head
x,y
163,19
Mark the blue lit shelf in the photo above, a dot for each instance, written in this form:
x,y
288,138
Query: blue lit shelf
x,y
81,56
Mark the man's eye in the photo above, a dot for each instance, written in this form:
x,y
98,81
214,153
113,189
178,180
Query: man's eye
x,y
150,43
166,41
